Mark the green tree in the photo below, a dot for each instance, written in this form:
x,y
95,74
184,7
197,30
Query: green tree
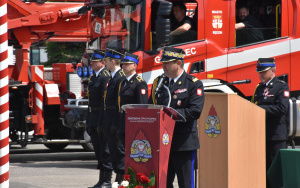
x,y
64,52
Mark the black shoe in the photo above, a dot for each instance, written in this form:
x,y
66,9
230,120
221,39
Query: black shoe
x,y
106,185
106,175
97,185
119,178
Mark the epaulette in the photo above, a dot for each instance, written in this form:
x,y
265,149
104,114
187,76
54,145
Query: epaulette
x,y
106,73
122,73
192,78
140,79
282,81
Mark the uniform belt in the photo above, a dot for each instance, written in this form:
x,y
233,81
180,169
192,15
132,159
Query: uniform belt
x,y
92,109
110,107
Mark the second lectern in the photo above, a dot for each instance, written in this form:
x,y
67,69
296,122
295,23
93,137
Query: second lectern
x,y
232,143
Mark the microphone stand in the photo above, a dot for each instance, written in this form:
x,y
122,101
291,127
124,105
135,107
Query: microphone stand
x,y
169,93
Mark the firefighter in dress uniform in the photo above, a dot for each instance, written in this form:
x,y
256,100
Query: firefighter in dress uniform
x,y
272,95
111,110
96,87
132,90
187,98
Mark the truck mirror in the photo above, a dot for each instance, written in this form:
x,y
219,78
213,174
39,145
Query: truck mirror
x,y
162,23
74,63
164,8
162,26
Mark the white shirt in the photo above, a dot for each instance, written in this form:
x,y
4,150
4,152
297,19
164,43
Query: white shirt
x,y
128,78
269,82
113,73
175,79
98,72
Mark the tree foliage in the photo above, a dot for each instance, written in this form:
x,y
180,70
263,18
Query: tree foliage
x,y
64,52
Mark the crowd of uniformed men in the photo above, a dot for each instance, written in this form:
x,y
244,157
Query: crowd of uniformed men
x,y
111,86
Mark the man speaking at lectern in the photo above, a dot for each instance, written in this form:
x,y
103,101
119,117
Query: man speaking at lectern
x,y
187,98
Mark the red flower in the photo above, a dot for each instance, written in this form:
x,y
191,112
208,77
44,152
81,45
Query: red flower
x,y
126,177
141,178
138,177
144,180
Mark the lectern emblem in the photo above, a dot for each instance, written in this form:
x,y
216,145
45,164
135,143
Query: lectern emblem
x,y
212,128
140,148
165,139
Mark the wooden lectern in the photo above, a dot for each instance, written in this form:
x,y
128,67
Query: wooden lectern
x,y
232,143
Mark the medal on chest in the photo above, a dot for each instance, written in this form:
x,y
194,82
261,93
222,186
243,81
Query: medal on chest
x,y
266,92
179,103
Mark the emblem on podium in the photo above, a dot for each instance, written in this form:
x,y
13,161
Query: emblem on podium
x,y
212,127
140,148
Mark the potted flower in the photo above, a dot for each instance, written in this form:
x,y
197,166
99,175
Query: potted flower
x,y
136,180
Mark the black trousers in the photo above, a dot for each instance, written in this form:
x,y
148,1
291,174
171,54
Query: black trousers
x,y
117,150
272,148
101,150
182,164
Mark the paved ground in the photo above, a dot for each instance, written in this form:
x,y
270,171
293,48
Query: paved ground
x,y
38,167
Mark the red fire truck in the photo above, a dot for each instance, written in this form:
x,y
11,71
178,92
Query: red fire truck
x,y
143,27
36,104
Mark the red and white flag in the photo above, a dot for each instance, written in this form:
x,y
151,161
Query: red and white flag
x,y
199,92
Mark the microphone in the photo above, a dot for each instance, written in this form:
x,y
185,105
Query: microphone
x,y
247,81
241,81
160,82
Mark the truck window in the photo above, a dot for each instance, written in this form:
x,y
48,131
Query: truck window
x,y
185,13
183,22
256,21
120,27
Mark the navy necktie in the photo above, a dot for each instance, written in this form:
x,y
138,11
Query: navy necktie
x,y
171,83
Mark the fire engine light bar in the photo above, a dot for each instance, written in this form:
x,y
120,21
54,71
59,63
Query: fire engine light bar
x,y
85,71
79,71
90,71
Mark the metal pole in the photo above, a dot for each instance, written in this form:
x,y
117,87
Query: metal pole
x,y
4,98
36,76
